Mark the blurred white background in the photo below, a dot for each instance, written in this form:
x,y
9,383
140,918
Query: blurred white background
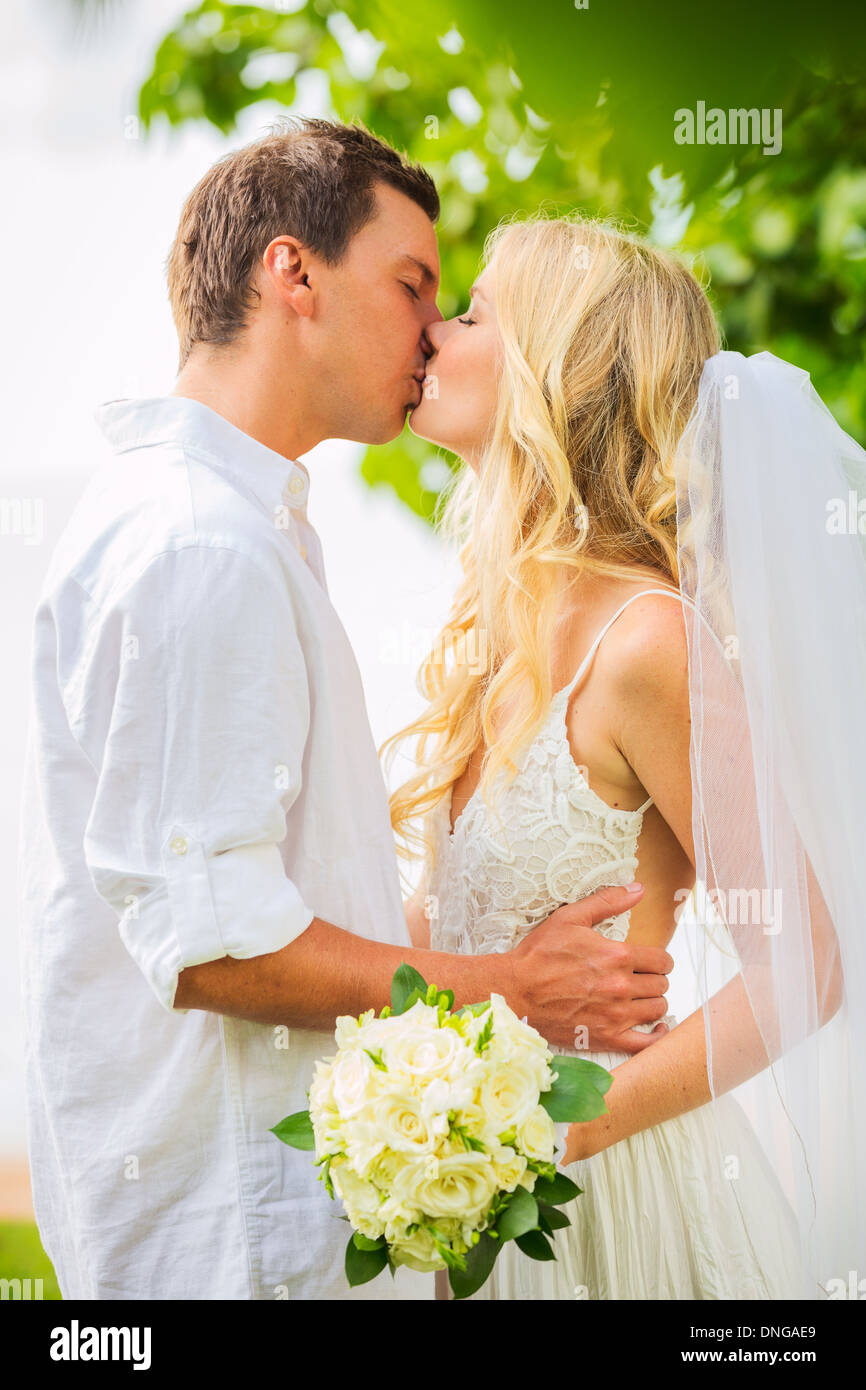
x,y
90,212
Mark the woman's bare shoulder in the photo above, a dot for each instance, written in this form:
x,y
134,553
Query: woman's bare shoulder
x,y
650,632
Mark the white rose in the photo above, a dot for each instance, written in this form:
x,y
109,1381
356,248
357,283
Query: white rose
x,y
346,1031
377,1031
363,1142
472,1119
397,1217
421,1016
352,1034
321,1098
442,1095
536,1137
360,1199
385,1169
399,1120
423,1054
367,1225
509,1167
459,1185
418,1251
352,1082
508,1096
514,1040
328,1131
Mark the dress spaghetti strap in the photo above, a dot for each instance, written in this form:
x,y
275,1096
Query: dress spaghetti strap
x,y
567,689
591,653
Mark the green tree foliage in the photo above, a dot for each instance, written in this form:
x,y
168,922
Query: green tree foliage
x,y
513,106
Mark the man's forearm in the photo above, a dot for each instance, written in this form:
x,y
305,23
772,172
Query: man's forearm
x,y
328,971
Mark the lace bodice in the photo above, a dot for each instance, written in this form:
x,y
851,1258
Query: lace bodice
x,y
548,839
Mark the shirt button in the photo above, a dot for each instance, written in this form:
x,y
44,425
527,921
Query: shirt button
x,y
296,485
179,845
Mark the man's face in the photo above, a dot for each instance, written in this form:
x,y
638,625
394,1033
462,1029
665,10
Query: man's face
x,y
372,312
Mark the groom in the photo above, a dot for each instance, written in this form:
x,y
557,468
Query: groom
x,y
208,874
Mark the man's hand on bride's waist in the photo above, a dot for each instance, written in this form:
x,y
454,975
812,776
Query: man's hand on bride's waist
x,y
581,990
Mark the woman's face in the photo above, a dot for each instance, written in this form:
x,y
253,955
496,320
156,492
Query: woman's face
x,y
458,397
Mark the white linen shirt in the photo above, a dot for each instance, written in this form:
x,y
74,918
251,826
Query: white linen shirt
x,y
201,780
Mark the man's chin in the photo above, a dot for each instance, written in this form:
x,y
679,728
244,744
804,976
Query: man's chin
x,y
383,432
386,431
417,423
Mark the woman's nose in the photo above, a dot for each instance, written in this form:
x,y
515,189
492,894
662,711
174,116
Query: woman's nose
x,y
436,333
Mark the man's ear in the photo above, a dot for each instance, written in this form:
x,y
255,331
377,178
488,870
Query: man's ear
x,y
285,267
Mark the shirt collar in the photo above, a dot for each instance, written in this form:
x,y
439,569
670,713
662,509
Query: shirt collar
x,y
275,480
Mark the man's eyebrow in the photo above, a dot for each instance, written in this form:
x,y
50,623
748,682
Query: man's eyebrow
x,y
429,276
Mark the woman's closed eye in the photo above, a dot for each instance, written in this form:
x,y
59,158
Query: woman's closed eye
x,y
467,321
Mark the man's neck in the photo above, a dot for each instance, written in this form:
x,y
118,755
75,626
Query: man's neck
x,y
241,389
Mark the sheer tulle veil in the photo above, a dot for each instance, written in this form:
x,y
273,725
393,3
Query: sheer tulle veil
x,y
771,516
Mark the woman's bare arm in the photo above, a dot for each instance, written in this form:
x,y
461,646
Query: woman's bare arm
x,y
653,732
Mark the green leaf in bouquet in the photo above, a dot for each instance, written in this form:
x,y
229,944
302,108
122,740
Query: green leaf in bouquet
x,y
537,1165
479,1261
468,1140
406,986
556,1220
367,1242
296,1130
556,1191
325,1175
362,1265
483,1039
376,1058
473,1009
536,1245
519,1216
578,1090
452,1258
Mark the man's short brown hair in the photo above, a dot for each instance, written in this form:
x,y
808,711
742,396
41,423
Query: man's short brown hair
x,y
314,180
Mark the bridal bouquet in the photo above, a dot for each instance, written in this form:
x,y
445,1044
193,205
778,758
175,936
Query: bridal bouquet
x,y
435,1128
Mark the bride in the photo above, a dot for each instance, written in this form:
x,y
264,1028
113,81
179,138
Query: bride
x,y
632,673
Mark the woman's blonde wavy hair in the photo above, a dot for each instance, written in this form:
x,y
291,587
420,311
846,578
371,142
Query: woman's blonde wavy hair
x,y
603,340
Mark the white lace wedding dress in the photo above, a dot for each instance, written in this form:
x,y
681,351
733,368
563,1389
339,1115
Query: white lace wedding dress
x,y
666,1214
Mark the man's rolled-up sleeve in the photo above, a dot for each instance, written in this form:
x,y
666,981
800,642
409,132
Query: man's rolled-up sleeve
x,y
192,702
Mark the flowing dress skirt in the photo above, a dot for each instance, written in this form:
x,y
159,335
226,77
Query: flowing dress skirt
x,y
689,1209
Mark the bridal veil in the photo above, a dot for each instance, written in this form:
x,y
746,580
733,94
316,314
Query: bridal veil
x,y
771,540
